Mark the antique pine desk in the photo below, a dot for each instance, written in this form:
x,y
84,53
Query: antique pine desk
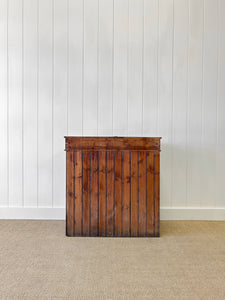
x,y
112,186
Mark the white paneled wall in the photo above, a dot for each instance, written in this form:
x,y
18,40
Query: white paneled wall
x,y
112,67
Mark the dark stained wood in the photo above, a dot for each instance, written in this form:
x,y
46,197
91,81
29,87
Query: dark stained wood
x,y
142,193
126,193
157,194
110,194
102,193
94,193
118,193
112,143
70,193
134,193
150,194
112,191
86,193
78,193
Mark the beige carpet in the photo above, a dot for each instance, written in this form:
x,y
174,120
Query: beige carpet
x,y
37,261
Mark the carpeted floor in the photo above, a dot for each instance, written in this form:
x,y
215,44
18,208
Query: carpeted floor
x,y
37,261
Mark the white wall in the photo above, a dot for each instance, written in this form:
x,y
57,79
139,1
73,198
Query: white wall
x,y
104,67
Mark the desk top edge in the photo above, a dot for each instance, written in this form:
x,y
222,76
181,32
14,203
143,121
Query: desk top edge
x,y
112,142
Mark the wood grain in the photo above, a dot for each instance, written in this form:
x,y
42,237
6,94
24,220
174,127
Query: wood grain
x,y
157,194
94,194
78,193
102,193
70,194
118,193
142,193
112,193
112,143
150,194
86,193
126,194
134,194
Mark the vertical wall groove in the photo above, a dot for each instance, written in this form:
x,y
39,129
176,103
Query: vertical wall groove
x,y
83,72
202,86
22,95
37,100
172,110
187,109
53,78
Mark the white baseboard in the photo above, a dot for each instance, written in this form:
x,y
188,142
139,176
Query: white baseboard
x,y
33,213
166,213
193,213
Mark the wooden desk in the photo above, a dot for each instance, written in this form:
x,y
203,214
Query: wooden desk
x,y
112,186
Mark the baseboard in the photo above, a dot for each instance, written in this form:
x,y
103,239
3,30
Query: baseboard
x,y
33,213
193,213
166,213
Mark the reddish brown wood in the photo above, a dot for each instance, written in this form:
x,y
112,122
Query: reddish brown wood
x,y
78,193
142,193
118,193
110,194
150,194
86,193
157,194
112,143
134,193
94,194
102,193
112,191
126,194
70,193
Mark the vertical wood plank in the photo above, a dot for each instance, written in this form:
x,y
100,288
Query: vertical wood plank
x,y
165,93
120,67
194,179
150,194
86,193
30,101
45,81
118,193
135,68
15,103
157,194
110,193
134,193
90,107
78,161
180,104
75,66
3,105
59,100
94,193
150,67
105,67
142,193
220,178
102,193
70,193
126,194
209,106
